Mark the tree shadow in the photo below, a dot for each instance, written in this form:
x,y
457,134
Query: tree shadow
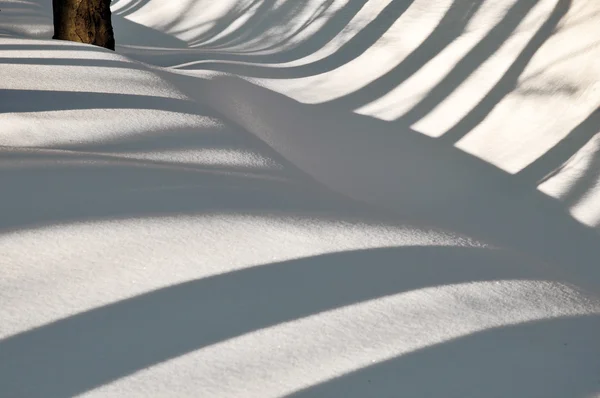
x,y
530,213
54,187
266,16
46,100
130,7
108,177
84,351
451,26
509,80
256,25
415,176
204,132
371,161
220,25
211,137
449,29
548,358
211,45
551,162
468,64
49,46
582,187
350,50
83,62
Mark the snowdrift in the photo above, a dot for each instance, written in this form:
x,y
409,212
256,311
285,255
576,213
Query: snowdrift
x,y
302,198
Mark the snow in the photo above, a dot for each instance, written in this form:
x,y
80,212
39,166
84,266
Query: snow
x,y
302,198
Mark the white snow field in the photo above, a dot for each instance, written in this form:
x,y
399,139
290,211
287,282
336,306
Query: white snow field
x,y
302,198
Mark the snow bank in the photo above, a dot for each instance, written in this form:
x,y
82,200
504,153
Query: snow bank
x,y
301,198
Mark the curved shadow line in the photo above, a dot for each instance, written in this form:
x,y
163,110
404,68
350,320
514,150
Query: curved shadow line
x,y
132,7
472,197
331,28
553,161
484,49
508,81
578,191
84,351
88,158
450,27
67,45
254,25
480,363
350,50
51,100
220,24
49,191
84,62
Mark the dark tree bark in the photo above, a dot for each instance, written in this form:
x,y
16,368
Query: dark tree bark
x,y
83,21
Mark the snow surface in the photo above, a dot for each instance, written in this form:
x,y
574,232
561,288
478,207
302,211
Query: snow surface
x,y
328,198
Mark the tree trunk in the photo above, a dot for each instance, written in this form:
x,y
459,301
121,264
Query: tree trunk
x,y
83,21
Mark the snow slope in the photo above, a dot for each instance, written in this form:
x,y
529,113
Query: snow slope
x,y
302,198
